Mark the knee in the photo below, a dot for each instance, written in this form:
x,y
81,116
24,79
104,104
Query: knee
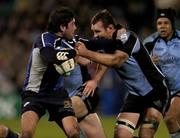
x,y
73,132
118,133
3,131
124,129
152,123
169,119
171,123
26,134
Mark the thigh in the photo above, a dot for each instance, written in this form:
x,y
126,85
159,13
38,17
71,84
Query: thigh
x,y
92,126
153,114
79,106
29,121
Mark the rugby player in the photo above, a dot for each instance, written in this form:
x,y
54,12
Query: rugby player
x,y
148,96
39,94
164,48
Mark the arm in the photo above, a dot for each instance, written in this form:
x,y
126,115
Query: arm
x,y
51,55
93,83
82,60
118,57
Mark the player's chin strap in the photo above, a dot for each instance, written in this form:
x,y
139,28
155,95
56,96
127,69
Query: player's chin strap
x,y
126,124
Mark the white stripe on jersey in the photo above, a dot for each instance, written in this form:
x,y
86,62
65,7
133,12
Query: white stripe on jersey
x,y
42,38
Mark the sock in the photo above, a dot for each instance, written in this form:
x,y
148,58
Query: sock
x,y
11,134
175,135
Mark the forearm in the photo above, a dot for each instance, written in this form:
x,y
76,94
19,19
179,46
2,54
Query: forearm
x,y
100,71
118,57
107,45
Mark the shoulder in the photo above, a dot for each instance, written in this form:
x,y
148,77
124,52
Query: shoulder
x,y
178,33
151,38
48,39
128,36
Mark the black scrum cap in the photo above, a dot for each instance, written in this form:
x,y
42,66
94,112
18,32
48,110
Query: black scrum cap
x,y
167,13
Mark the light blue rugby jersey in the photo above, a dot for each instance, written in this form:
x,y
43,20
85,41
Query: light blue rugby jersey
x,y
76,78
72,82
169,54
139,73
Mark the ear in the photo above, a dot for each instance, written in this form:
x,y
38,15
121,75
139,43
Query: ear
x,y
110,27
62,28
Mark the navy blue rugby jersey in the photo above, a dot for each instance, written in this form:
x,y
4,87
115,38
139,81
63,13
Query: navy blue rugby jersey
x,y
41,76
169,57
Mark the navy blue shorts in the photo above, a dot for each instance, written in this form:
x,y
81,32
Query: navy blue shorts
x,y
57,103
158,98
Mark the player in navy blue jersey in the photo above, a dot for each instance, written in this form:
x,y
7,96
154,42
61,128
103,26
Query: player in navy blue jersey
x,y
164,48
48,61
148,96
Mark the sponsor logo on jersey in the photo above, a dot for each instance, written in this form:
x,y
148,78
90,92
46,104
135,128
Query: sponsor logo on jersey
x,y
62,55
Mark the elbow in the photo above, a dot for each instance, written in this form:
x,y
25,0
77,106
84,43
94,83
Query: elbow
x,y
117,60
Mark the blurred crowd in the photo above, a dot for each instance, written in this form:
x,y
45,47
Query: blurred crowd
x,y
22,20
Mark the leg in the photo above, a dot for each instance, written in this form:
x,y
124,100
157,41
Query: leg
x,y
73,130
29,121
92,126
172,117
5,132
150,123
126,124
89,122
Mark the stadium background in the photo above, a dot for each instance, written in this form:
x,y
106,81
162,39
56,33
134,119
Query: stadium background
x,y
22,20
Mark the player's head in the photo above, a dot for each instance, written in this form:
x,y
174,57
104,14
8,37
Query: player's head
x,y
62,21
165,21
103,24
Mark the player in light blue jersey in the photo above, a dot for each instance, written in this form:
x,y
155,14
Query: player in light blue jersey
x,y
78,82
148,96
164,48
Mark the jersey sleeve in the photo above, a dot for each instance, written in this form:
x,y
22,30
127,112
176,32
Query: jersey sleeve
x,y
50,53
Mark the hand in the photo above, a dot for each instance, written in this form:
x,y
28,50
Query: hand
x,y
90,87
155,59
80,47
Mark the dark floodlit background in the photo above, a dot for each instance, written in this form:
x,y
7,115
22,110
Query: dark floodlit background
x,y
22,20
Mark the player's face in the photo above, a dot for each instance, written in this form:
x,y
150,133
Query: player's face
x,y
164,27
70,30
99,30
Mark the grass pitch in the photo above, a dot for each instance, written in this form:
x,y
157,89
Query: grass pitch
x,y
47,129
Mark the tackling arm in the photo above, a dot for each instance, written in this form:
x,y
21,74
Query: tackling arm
x,y
118,57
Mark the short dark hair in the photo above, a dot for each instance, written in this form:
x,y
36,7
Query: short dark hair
x,y
60,16
104,16
167,13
